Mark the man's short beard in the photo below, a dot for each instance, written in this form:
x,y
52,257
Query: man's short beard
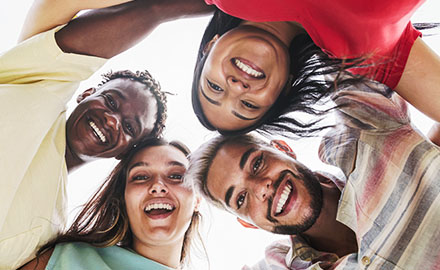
x,y
313,186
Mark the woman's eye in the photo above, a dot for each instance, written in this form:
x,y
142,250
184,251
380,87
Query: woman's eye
x,y
257,164
176,177
249,105
139,177
240,199
214,86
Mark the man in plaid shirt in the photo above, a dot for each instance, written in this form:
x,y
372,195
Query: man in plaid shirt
x,y
381,213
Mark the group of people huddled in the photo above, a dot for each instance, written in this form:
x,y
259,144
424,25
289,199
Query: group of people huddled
x,y
259,63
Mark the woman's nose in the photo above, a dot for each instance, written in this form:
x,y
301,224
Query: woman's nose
x,y
238,85
158,187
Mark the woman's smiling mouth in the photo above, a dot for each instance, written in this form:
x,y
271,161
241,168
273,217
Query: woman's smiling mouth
x,y
247,68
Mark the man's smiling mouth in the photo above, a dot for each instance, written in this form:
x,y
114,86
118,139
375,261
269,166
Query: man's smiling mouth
x,y
97,131
283,199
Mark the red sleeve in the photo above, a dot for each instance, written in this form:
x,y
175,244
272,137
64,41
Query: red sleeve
x,y
388,68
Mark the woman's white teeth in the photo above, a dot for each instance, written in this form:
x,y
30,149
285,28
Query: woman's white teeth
x,y
247,69
154,206
97,131
283,198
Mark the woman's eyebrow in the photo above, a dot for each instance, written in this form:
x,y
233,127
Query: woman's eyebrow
x,y
242,117
208,98
236,114
176,163
137,164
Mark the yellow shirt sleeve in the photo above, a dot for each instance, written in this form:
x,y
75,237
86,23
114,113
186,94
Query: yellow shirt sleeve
x,y
37,79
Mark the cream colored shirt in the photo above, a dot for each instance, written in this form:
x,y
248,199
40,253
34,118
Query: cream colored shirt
x,y
36,81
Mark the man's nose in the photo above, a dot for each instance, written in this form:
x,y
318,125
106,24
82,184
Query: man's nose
x,y
262,189
111,120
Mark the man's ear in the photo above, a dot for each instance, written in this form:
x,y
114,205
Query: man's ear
x,y
246,224
211,43
85,94
283,147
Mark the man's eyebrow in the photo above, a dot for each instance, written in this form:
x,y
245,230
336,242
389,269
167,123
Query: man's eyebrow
x,y
228,195
118,93
243,117
245,157
209,99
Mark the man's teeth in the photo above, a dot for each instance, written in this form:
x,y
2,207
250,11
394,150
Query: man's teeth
x,y
247,69
283,198
97,131
154,206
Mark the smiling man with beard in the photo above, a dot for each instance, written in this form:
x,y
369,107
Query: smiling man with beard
x,y
382,212
37,78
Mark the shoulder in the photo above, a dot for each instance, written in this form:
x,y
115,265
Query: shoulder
x,y
370,105
39,264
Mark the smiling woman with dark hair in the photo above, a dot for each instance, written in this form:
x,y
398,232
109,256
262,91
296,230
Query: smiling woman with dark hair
x,y
144,216
258,62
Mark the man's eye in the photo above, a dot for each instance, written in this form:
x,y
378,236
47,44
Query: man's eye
x,y
257,164
249,105
214,86
111,102
129,128
240,199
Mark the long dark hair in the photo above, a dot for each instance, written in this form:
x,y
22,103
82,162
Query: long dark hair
x,y
103,221
308,66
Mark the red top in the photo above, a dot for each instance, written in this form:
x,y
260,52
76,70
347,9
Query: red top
x,y
344,28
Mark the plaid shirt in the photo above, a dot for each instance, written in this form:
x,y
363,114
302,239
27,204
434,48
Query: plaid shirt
x,y
390,194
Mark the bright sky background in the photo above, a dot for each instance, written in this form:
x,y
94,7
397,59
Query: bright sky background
x,y
169,54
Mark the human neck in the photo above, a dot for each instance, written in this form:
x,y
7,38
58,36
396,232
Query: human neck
x,y
285,31
73,161
166,254
328,234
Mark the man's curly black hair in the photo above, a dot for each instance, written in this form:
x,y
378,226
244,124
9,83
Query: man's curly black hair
x,y
145,78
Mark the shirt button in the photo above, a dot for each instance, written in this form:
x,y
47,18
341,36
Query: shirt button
x,y
366,260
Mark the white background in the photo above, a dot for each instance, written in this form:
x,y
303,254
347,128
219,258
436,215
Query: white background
x,y
169,54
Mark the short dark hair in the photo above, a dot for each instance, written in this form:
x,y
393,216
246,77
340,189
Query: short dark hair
x,y
153,86
201,161
308,62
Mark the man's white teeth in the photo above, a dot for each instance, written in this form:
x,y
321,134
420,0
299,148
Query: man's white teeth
x,y
247,69
153,206
283,198
97,131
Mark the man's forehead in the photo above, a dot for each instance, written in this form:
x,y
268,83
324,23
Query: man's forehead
x,y
226,162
